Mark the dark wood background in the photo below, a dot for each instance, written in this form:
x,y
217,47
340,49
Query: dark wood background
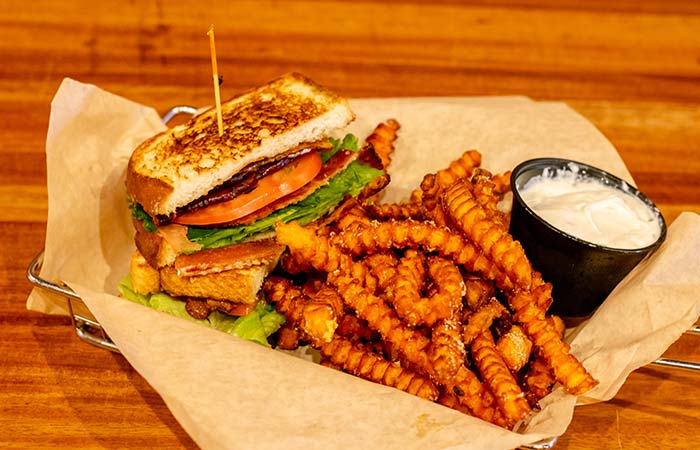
x,y
632,68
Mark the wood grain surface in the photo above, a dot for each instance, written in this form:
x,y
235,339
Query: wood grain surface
x,y
632,68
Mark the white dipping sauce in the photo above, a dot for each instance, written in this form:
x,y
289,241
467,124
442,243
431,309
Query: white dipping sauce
x,y
590,210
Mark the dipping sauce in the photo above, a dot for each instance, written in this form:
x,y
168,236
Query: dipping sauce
x,y
588,209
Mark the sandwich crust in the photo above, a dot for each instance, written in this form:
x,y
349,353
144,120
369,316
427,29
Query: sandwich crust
x,y
237,286
156,250
185,162
233,274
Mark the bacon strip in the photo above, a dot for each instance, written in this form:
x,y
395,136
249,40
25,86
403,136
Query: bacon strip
x,y
231,257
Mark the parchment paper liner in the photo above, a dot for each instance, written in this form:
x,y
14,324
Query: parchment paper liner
x,y
229,393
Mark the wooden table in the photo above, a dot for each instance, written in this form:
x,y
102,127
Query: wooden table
x,y
631,68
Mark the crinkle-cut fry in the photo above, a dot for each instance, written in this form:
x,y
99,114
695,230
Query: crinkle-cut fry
x,y
558,324
352,326
416,196
294,264
368,156
321,314
320,252
349,206
383,266
317,317
482,319
450,283
415,262
430,193
451,400
289,299
325,362
312,285
447,350
543,294
438,216
396,211
352,212
567,369
515,348
288,337
328,296
505,388
484,191
474,222
305,245
539,380
410,343
460,168
413,346
355,359
501,182
478,292
377,236
472,394
409,282
382,138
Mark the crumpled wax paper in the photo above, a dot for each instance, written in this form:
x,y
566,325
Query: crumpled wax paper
x,y
254,397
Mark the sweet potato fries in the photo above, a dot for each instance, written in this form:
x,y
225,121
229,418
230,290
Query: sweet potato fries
x,y
432,296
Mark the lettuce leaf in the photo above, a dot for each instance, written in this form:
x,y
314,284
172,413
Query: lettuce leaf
x,y
349,142
137,212
257,326
349,182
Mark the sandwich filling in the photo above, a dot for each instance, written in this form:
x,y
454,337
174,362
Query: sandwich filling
x,y
303,188
269,188
245,180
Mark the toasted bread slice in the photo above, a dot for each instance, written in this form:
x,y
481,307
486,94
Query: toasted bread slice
x,y
182,164
144,279
238,286
234,274
156,250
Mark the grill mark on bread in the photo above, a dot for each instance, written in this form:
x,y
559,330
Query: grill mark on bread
x,y
245,126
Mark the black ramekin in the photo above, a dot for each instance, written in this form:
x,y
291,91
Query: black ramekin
x,y
582,273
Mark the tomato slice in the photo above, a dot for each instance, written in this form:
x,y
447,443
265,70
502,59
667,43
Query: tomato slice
x,y
270,188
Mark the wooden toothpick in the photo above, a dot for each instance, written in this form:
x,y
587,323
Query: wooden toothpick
x,y
215,76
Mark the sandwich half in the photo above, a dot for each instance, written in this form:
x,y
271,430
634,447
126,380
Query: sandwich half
x,y
204,205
